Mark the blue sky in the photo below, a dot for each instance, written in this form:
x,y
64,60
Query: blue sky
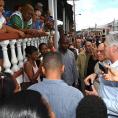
x,y
93,12
105,4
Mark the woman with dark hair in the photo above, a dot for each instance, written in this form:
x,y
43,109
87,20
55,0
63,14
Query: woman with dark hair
x,y
7,86
31,71
26,104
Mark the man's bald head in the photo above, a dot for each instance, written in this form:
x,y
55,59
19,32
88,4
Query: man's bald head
x,y
52,61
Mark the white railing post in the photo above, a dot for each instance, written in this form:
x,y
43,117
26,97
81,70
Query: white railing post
x,y
32,42
14,60
35,43
39,40
19,53
46,39
6,62
24,46
28,41
42,40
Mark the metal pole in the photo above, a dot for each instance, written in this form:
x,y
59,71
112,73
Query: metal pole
x,y
51,7
74,20
74,15
55,24
64,19
114,24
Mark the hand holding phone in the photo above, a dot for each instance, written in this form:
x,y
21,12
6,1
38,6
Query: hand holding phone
x,y
103,68
89,87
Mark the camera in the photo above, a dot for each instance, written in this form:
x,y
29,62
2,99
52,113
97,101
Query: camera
x,y
89,87
103,68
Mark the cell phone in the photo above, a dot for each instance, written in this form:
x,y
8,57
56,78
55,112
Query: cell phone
x,y
89,87
103,68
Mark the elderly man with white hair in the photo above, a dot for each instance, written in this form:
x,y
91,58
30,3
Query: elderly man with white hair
x,y
108,90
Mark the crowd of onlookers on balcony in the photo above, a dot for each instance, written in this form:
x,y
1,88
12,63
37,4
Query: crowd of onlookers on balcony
x,y
26,19
77,80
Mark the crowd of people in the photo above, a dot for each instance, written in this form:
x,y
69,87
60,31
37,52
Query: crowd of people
x,y
25,19
58,76
77,80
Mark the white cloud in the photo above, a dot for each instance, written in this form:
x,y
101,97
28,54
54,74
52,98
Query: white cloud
x,y
89,17
85,5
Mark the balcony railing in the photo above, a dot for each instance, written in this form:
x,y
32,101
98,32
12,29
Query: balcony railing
x,y
17,45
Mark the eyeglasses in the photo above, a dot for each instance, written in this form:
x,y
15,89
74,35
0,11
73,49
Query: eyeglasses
x,y
100,51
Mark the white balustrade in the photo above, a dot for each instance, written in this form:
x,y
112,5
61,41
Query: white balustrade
x,y
41,40
18,60
19,53
32,42
6,61
45,39
37,39
24,46
29,41
14,60
35,43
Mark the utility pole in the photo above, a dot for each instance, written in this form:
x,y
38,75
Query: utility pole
x,y
74,20
53,10
74,15
114,24
55,24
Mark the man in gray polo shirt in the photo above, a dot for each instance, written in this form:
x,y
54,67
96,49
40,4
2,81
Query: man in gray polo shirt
x,y
70,75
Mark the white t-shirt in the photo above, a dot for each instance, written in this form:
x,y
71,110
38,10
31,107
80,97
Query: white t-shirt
x,y
35,69
2,21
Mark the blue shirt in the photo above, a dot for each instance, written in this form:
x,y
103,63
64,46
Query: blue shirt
x,y
36,25
109,92
62,97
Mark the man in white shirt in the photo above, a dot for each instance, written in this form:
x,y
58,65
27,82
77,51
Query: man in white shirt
x,y
108,90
